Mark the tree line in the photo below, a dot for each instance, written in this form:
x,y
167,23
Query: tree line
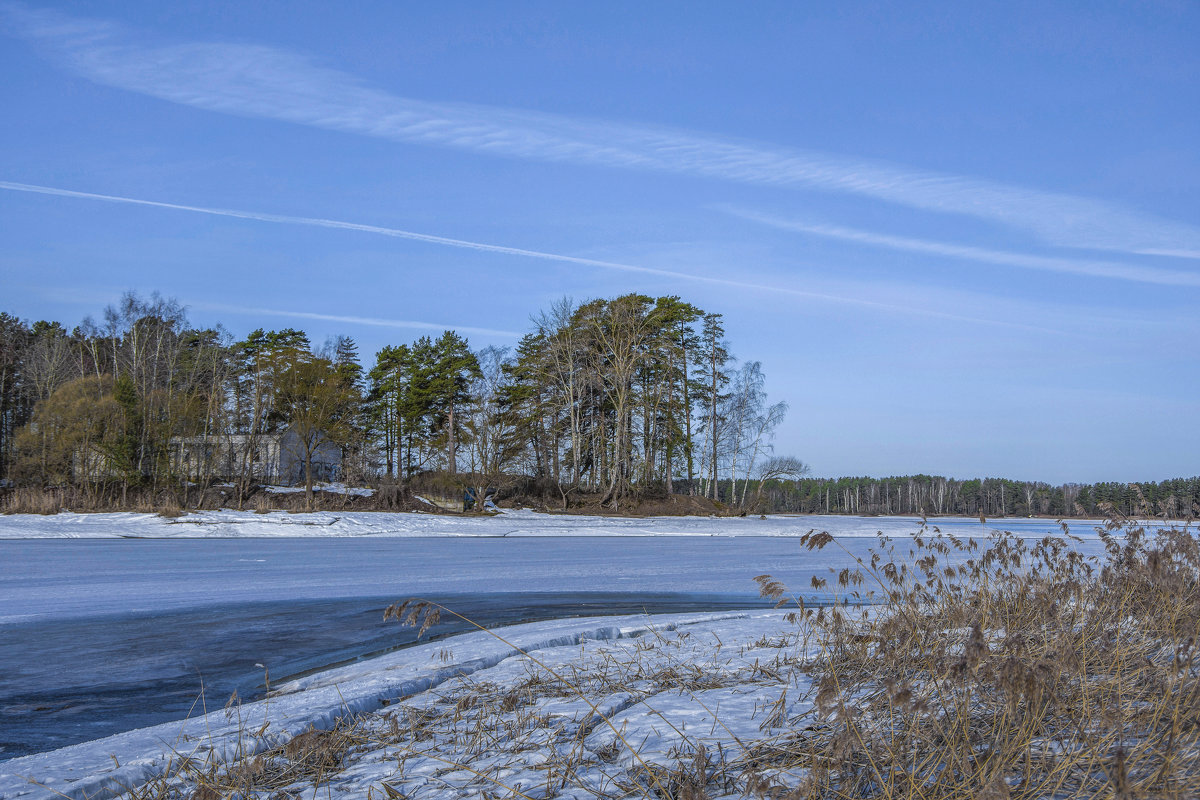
x,y
989,497
616,397
612,398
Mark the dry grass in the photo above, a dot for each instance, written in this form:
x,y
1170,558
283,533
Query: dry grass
x,y
308,759
170,509
1007,671
478,734
32,501
145,500
170,502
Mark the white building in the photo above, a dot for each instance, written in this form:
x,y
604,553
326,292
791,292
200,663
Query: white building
x,y
276,458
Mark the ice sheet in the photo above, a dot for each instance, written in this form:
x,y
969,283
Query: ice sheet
x,y
516,523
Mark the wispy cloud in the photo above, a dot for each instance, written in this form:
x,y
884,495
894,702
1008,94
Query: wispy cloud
x,y
397,233
1091,268
265,82
352,320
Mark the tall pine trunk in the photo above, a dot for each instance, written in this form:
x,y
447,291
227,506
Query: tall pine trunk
x,y
450,459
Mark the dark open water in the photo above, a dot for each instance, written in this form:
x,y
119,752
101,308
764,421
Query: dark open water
x,y
75,680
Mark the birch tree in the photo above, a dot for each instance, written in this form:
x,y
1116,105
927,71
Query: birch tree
x,y
621,332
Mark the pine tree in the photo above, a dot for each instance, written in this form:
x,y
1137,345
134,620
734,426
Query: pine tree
x,y
454,368
677,341
711,358
389,398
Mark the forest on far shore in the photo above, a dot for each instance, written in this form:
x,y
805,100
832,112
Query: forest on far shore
x,y
616,398
605,404
1178,498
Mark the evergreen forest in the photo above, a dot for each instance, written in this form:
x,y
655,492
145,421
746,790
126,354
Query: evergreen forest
x,y
612,399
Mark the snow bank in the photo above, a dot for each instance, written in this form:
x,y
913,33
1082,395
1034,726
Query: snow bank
x,y
229,524
428,674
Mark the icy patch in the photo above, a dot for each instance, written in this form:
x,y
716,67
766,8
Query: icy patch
x,y
609,694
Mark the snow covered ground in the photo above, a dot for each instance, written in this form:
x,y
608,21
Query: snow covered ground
x,y
572,708
226,524
67,569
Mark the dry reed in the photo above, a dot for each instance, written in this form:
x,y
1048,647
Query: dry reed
x,y
32,501
1011,670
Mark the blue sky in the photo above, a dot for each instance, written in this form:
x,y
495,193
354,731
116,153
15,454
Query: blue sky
x,y
963,238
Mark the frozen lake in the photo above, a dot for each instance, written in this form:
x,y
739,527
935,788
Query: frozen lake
x,y
69,681
101,633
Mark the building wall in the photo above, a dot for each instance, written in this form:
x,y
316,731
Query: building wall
x,y
326,460
277,458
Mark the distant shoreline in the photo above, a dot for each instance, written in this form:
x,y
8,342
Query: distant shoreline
x,y
173,512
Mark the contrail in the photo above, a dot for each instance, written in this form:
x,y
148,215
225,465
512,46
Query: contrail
x,y
270,83
516,251
373,321
1095,269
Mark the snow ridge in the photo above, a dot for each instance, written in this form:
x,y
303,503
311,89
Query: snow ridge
x,y
112,766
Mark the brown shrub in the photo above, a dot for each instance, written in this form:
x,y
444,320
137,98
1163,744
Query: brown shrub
x,y
32,501
1008,669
